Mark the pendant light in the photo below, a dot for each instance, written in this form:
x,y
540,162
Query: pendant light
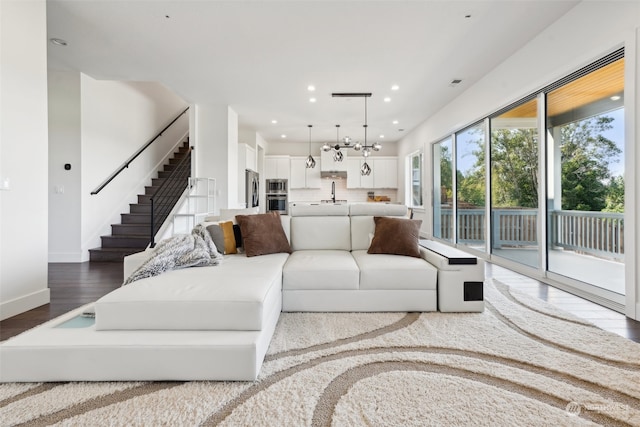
x,y
337,154
310,163
365,170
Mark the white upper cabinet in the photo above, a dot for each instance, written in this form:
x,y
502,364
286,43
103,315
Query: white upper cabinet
x,y
328,164
246,157
303,177
276,167
384,173
354,178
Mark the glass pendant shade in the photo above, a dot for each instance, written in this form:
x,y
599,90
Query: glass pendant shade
x,y
326,147
311,162
365,170
338,156
357,147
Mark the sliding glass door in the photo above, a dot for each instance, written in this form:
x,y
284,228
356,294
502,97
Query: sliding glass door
x,y
471,187
515,184
549,172
443,190
585,174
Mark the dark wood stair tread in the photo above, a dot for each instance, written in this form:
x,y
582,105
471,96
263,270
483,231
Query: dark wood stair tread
x,y
132,234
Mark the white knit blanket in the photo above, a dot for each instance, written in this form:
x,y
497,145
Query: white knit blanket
x,y
180,251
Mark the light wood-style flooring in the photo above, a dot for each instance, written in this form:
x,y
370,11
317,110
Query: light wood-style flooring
x,y
75,284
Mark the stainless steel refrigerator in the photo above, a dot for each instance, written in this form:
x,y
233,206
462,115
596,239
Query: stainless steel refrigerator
x,y
252,187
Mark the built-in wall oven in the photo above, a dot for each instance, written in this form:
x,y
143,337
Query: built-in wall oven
x,y
276,186
277,197
277,203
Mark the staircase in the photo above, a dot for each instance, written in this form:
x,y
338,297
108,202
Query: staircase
x,y
133,233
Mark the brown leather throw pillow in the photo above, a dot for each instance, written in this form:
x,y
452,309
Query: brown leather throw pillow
x,y
396,236
263,234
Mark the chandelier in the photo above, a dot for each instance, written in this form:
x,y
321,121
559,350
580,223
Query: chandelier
x,y
346,143
337,154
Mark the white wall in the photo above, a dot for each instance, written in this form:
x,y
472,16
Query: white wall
x,y
247,136
214,132
64,185
562,48
23,156
117,119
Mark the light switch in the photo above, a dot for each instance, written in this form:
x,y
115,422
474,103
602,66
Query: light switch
x,y
59,189
5,184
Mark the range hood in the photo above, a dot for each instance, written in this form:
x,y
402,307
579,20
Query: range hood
x,y
333,174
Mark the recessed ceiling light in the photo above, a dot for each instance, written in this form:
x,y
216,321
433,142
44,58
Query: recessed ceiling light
x,y
616,97
312,100
274,121
283,136
455,82
381,136
387,99
58,42
311,88
401,130
395,122
467,16
395,87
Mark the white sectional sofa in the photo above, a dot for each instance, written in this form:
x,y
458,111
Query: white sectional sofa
x,y
330,269
215,323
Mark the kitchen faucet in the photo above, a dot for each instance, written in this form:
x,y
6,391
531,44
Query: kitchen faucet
x,y
333,191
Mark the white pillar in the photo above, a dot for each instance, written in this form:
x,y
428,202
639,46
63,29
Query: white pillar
x,y
23,156
214,134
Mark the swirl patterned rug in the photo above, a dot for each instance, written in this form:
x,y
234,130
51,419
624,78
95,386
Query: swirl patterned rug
x,y
521,362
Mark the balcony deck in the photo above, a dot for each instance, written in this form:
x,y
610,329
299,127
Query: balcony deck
x,y
590,269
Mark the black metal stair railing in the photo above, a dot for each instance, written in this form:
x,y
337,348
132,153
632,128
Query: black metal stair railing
x,y
167,195
135,155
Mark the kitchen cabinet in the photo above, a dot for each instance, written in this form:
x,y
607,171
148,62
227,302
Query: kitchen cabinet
x,y
354,178
384,173
327,163
276,167
246,158
303,177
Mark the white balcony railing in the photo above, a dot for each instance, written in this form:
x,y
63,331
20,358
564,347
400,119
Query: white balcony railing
x,y
596,233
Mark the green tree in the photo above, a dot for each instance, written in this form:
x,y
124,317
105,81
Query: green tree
x,y
586,156
446,173
514,167
615,195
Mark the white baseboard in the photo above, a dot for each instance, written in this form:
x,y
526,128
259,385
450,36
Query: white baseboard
x,y
636,315
68,257
24,303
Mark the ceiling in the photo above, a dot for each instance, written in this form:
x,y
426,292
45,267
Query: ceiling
x,y
259,57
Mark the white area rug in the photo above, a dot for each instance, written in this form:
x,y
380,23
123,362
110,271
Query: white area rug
x,y
521,362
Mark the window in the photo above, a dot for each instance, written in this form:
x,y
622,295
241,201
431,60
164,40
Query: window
x,y
471,186
515,180
443,190
414,195
549,170
585,172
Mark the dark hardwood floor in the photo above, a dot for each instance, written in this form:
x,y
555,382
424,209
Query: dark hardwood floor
x,y
600,316
75,284
72,285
